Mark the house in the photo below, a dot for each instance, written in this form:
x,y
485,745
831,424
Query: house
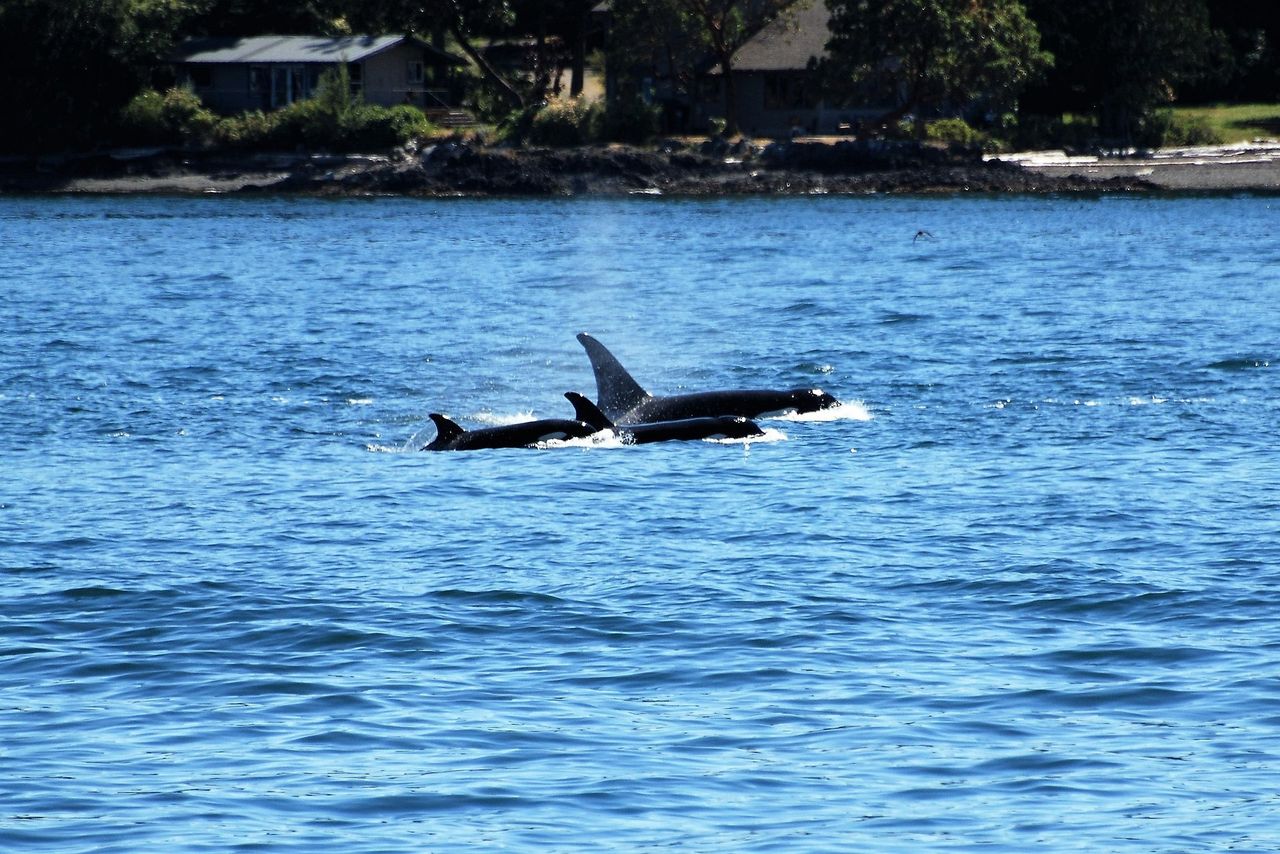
x,y
776,92
232,75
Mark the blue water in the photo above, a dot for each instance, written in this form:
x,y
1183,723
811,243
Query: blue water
x,y
1021,593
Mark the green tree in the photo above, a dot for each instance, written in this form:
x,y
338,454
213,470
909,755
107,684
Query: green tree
x,y
568,21
70,65
930,55
681,39
1122,59
465,20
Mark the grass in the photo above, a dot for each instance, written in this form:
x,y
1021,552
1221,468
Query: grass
x,y
1237,122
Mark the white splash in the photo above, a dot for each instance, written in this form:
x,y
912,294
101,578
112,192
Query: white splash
x,y
602,439
770,435
495,419
854,410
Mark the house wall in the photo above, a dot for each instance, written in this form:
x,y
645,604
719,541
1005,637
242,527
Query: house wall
x,y
386,78
772,104
223,88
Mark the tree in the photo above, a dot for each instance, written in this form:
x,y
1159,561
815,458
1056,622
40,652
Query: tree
x,y
255,18
1120,59
685,38
726,26
71,65
464,20
568,21
930,55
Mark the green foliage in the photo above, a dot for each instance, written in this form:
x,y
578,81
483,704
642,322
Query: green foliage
x,y
674,38
1167,129
1121,61
921,55
333,120
69,66
1043,133
957,133
563,122
628,118
172,118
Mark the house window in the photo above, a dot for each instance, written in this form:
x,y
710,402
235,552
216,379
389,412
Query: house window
x,y
417,73
355,73
201,76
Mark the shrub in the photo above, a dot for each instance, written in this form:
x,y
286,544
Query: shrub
x,y
175,117
957,133
385,127
333,120
562,122
1164,128
630,119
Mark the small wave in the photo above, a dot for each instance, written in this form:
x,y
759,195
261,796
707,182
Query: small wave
x,y
854,410
895,317
392,449
1239,364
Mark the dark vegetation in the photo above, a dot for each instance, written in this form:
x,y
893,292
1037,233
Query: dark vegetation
x,y
83,74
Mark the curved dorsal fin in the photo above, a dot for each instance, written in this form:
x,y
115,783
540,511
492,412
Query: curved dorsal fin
x,y
586,411
446,430
616,391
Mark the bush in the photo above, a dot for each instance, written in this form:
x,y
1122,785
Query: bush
x,y
333,120
562,122
630,119
175,117
1040,133
957,133
1163,129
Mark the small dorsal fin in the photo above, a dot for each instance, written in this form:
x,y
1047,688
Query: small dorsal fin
x,y
446,430
587,412
616,391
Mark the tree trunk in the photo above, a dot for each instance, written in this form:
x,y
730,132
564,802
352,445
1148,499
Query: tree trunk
x,y
730,92
578,78
491,74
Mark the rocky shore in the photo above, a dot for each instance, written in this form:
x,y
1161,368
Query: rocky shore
x,y
459,168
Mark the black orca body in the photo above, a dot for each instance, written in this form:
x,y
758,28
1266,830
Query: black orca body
x,y
452,437
622,399
683,429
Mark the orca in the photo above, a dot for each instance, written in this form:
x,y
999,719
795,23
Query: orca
x,y
683,429
624,401
450,436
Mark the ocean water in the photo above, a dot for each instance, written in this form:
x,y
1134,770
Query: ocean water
x,y
1021,592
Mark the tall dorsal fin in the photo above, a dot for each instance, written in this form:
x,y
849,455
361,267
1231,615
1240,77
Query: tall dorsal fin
x,y
586,411
446,430
616,391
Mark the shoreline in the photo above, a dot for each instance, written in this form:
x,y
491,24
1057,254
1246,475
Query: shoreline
x,y
716,168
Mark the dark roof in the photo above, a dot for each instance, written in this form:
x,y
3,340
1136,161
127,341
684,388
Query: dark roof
x,y
789,41
299,49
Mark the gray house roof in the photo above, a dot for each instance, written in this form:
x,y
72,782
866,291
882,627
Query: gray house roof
x,y
789,41
296,49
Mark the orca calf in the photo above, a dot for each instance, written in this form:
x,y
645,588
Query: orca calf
x,y
683,429
623,400
452,437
